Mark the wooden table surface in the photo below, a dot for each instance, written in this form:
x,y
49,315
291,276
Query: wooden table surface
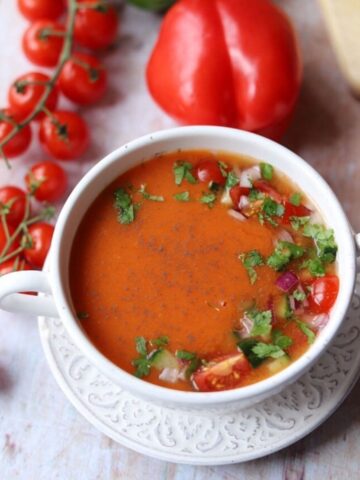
x,y
42,437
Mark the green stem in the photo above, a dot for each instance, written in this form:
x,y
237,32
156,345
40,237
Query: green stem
x,y
64,57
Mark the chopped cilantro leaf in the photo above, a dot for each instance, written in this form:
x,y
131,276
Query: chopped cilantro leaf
x,y
304,327
265,350
223,169
185,355
231,180
297,222
246,346
295,199
261,322
250,260
182,196
266,171
208,198
255,195
148,196
140,344
315,267
182,171
283,254
272,208
124,206
324,241
142,365
192,358
160,341
281,340
299,295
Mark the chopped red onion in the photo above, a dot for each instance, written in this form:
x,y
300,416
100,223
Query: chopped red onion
x,y
285,236
236,215
287,281
169,375
249,176
320,321
246,327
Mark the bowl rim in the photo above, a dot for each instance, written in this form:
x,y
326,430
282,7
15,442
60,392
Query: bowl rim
x,y
143,388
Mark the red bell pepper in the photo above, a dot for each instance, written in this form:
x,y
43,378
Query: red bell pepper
x,y
227,62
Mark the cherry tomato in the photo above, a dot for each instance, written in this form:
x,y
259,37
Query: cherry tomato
x,y
265,187
20,142
40,46
16,199
65,135
222,373
12,265
38,9
47,180
236,192
96,28
41,235
294,211
83,79
323,294
23,97
3,240
209,171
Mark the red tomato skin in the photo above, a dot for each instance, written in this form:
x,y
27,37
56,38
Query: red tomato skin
x,y
236,192
23,103
76,84
294,211
78,135
265,187
323,294
54,181
210,379
93,29
208,171
41,234
17,209
20,142
39,9
43,52
227,62
9,266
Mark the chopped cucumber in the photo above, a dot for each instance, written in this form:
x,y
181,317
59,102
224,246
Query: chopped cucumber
x,y
162,358
278,364
282,307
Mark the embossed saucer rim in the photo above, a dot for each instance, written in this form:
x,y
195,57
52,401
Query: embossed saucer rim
x,y
195,458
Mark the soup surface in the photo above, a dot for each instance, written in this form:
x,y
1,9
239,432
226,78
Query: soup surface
x,y
202,271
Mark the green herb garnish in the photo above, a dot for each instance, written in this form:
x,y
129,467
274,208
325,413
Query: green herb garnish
x,y
265,350
182,196
251,260
192,358
124,206
266,171
297,222
255,195
183,171
208,198
271,209
315,267
261,322
223,168
231,180
299,295
283,254
281,340
295,199
161,341
246,346
324,241
148,196
304,327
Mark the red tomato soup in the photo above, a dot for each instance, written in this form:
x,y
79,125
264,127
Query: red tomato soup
x,y
202,271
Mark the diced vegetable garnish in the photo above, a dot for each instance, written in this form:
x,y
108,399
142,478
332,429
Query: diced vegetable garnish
x,y
282,308
251,260
278,364
183,171
124,206
148,196
287,281
284,253
266,171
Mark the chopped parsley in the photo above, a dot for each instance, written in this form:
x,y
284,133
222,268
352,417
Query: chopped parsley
x,y
283,254
256,352
299,295
265,350
250,260
261,322
266,171
192,358
315,267
297,222
231,179
208,198
140,344
295,199
281,340
146,359
324,241
183,171
223,169
304,327
148,196
271,209
124,206
161,341
182,196
255,195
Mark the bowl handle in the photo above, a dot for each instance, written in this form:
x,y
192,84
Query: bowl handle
x,y
26,281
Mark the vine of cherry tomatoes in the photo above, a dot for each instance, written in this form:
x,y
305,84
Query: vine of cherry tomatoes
x,y
32,103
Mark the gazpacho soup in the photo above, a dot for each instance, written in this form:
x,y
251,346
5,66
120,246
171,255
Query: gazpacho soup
x,y
203,271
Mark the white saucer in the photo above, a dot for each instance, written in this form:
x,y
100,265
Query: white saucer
x,y
207,438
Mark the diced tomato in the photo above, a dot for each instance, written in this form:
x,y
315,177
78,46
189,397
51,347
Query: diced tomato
x,y
294,211
323,294
209,171
223,373
265,187
236,192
